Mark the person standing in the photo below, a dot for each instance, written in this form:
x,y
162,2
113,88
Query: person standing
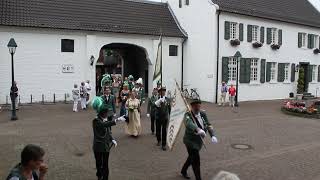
x,y
152,108
162,118
98,84
224,91
115,88
131,82
140,90
124,94
14,95
232,95
76,97
133,127
109,101
197,125
88,88
31,162
102,137
83,96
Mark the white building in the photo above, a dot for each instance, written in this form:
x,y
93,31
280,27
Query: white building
x,y
57,41
265,73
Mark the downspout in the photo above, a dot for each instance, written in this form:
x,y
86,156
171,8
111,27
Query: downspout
x,y
182,61
218,54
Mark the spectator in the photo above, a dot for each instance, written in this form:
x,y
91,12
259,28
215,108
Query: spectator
x,y
83,96
223,175
76,97
224,91
88,88
98,84
31,161
14,95
232,94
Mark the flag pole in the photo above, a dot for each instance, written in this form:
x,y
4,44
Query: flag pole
x,y
161,60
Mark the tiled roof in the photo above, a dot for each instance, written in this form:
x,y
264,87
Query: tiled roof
x,y
119,16
292,11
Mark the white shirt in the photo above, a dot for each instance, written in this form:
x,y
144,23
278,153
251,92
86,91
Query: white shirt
x,y
158,102
200,120
88,87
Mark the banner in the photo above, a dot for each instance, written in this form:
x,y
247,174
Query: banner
x,y
178,110
157,75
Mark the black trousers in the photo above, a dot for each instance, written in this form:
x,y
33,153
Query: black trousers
x,y
194,161
102,165
153,120
161,131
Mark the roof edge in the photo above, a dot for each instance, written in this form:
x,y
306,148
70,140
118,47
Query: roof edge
x,y
184,32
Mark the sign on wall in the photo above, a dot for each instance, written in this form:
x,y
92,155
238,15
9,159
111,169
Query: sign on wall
x,y
67,68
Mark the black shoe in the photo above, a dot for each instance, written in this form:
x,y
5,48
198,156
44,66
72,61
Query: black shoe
x,y
164,148
185,175
158,144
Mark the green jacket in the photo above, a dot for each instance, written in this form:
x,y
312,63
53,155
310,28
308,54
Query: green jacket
x,y
151,105
163,112
102,136
190,138
17,172
110,104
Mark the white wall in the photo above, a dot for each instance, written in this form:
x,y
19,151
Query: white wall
x,y
199,22
288,53
38,60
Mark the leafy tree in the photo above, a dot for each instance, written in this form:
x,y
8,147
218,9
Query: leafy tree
x,y
300,87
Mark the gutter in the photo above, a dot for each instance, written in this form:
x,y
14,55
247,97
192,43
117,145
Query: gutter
x,y
218,53
182,63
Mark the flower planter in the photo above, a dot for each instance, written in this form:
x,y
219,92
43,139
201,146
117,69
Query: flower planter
x,y
235,42
275,46
316,51
299,96
257,44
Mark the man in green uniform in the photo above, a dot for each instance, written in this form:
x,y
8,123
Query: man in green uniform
x,y
109,100
152,108
163,111
197,125
131,82
103,140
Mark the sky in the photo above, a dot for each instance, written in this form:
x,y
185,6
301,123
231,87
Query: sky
x,y
316,4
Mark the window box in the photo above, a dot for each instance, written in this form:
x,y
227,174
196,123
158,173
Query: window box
x,y
235,42
316,51
275,46
257,44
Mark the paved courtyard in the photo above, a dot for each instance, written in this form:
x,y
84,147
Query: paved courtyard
x,y
284,147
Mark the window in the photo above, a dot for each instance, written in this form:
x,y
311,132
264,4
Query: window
x,y
254,70
173,50
255,30
273,71
314,70
274,36
232,69
233,30
67,45
187,2
303,40
286,72
180,3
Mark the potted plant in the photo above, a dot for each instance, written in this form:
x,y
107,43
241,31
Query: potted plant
x,y
275,46
316,51
257,44
235,42
300,86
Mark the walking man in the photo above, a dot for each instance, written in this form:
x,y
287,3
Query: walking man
x,y
76,97
224,91
162,118
83,96
109,101
197,125
152,108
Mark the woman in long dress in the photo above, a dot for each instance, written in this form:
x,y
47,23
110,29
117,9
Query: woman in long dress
x,y
133,127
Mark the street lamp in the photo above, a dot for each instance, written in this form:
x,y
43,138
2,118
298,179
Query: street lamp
x,y
238,57
12,45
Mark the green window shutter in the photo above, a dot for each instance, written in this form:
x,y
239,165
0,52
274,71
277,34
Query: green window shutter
x,y
299,40
309,73
245,70
318,73
268,74
262,35
241,32
226,30
249,33
280,37
263,71
225,69
310,41
293,72
268,35
281,72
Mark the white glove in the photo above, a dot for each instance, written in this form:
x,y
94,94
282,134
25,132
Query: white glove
x,y
121,119
143,102
148,115
214,140
114,115
163,99
201,133
115,143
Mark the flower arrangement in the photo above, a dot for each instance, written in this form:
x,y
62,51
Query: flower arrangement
x,y
299,107
316,51
257,44
235,42
275,46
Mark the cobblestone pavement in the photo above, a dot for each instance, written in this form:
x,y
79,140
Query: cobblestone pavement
x,y
284,147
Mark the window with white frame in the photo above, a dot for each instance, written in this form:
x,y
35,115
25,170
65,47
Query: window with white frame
x,y
274,36
254,70
273,71
286,72
316,41
304,40
233,30
314,71
232,69
255,33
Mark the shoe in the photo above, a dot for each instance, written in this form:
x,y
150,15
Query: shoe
x,y
158,144
185,175
164,148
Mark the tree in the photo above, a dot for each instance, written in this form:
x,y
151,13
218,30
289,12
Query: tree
x,y
300,87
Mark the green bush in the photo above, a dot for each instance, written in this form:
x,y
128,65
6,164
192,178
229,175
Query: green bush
x,y
300,87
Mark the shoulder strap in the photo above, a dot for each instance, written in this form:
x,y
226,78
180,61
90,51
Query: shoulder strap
x,y
196,120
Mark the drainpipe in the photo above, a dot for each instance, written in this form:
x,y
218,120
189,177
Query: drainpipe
x,y
218,54
182,61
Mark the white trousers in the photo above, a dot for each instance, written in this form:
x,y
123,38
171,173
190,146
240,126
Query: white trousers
x,y
83,103
223,98
232,101
75,104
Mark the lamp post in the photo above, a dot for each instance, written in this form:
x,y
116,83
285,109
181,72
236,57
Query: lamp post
x,y
12,49
238,57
